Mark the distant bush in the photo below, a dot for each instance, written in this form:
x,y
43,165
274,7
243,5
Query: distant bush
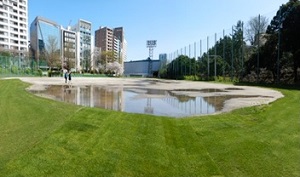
x,y
38,72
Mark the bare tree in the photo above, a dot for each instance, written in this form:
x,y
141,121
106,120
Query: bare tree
x,y
256,25
53,53
96,58
25,58
4,52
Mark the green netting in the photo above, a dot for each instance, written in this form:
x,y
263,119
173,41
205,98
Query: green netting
x,y
17,66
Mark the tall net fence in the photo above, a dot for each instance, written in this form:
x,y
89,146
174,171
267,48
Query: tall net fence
x,y
17,66
233,55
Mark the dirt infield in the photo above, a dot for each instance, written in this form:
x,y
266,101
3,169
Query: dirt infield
x,y
257,95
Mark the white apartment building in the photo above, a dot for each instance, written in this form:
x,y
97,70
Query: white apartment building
x,y
13,25
84,44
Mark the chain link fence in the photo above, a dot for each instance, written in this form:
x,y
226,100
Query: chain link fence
x,y
231,55
18,66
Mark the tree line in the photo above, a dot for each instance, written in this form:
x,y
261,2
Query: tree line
x,y
264,53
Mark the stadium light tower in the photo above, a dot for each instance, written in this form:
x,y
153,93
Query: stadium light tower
x,y
151,44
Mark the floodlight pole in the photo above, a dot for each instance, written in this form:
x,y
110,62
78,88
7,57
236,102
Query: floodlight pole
x,y
150,44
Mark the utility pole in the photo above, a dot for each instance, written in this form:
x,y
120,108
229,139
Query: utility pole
x,y
258,46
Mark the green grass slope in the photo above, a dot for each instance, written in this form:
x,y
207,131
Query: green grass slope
x,y
41,137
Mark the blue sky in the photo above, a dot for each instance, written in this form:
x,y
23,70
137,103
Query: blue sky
x,y
175,24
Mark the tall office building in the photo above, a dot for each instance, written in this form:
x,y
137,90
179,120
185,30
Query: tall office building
x,y
104,38
163,56
13,25
84,44
69,48
45,38
72,46
163,59
120,35
112,39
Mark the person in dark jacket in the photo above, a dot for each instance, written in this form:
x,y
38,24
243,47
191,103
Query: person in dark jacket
x,y
69,76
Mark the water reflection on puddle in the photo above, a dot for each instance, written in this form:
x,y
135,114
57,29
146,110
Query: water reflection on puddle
x,y
137,100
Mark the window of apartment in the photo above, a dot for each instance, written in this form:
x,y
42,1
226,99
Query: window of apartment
x,y
14,35
14,47
14,29
22,19
14,23
4,39
3,20
3,7
22,7
14,17
22,37
3,14
3,27
23,43
14,41
22,25
22,2
22,13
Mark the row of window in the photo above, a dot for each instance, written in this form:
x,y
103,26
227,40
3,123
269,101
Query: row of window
x,y
5,46
4,33
13,2
70,40
13,41
3,20
12,16
22,2
13,23
69,35
4,27
21,9
85,26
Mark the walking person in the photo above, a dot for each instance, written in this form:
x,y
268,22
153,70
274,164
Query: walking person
x,y
65,72
69,76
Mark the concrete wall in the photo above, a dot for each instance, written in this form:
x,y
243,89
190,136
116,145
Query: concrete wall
x,y
141,68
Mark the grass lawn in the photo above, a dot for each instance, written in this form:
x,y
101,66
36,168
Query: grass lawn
x,y
41,137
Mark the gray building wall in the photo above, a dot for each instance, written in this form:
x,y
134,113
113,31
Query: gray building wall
x,y
144,68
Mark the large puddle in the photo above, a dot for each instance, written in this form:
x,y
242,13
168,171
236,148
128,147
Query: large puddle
x,y
174,103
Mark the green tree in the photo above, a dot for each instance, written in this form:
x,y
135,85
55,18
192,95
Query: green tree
x,y
287,24
180,67
237,51
290,33
107,57
227,54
